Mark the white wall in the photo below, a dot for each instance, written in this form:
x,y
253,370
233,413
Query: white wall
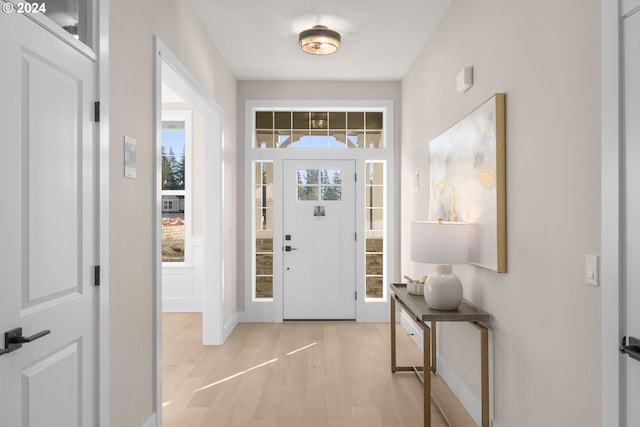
x,y
132,25
546,321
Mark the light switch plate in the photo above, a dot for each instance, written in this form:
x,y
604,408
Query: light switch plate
x,y
592,273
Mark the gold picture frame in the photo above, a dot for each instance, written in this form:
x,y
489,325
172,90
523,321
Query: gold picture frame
x,y
467,180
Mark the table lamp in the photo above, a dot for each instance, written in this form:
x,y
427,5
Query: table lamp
x,y
441,243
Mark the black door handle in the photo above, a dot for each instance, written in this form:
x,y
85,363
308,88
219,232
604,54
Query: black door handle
x,y
34,336
13,339
632,347
289,249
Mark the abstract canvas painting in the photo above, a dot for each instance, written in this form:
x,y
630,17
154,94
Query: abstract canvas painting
x,y
467,181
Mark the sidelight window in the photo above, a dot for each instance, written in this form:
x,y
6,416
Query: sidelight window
x,y
374,229
263,229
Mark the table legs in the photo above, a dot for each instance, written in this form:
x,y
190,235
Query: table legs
x,y
426,394
484,374
426,354
393,334
429,356
434,351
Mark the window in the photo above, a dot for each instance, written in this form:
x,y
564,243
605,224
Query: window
x,y
315,184
176,140
374,229
319,129
263,230
74,16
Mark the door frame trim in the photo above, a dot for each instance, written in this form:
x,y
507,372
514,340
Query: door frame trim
x,y
103,210
271,310
612,393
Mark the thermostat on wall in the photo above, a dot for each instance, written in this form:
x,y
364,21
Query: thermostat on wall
x,y
129,157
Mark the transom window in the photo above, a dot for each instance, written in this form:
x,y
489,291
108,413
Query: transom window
x,y
319,129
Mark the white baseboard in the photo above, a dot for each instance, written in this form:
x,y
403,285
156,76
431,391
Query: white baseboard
x,y
230,326
151,422
460,389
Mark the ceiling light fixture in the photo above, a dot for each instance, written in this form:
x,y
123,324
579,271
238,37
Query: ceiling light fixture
x,y
319,40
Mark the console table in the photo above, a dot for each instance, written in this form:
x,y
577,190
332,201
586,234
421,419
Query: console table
x,y
419,311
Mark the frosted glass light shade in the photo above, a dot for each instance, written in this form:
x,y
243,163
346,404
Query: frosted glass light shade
x,y
319,40
434,242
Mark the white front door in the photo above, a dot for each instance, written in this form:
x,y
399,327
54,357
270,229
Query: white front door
x,y
48,243
319,239
631,135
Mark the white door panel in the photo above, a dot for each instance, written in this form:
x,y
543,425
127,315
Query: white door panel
x,y
52,264
631,53
629,5
319,270
49,222
46,395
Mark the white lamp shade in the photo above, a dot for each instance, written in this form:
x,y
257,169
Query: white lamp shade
x,y
435,242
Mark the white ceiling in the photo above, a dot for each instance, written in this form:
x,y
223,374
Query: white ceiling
x,y
258,39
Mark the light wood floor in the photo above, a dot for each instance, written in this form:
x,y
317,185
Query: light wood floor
x,y
295,374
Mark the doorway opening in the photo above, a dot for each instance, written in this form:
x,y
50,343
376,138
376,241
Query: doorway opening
x,y
189,211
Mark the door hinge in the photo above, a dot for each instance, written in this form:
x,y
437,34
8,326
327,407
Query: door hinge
x,y
356,295
356,236
356,176
96,275
96,111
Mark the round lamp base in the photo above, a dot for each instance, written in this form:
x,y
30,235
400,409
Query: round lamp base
x,y
443,290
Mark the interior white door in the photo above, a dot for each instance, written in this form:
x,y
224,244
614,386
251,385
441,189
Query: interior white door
x,y
320,239
631,99
48,230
